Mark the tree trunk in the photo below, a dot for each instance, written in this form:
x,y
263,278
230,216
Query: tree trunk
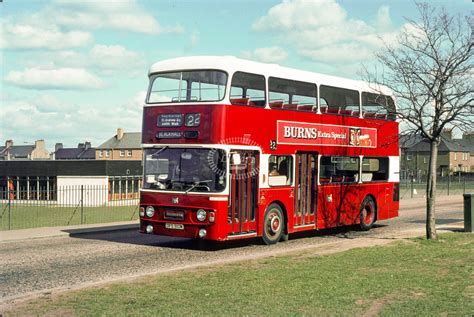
x,y
431,193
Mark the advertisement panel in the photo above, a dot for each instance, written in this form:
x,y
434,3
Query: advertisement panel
x,y
305,133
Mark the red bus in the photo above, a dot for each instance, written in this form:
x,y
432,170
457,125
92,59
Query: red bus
x,y
236,149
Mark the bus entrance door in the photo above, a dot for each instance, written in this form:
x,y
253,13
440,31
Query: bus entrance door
x,y
305,189
243,192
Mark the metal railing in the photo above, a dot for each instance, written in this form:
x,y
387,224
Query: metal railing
x,y
64,206
445,186
74,205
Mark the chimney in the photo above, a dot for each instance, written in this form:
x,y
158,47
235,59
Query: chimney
x,y
119,133
81,146
447,134
87,145
9,143
58,146
468,136
39,144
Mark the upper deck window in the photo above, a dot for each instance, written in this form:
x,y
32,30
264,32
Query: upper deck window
x,y
377,106
339,101
187,86
248,90
291,94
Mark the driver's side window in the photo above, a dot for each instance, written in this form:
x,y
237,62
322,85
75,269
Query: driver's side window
x,y
280,169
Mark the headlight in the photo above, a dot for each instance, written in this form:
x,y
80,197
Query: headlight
x,y
201,215
150,211
149,229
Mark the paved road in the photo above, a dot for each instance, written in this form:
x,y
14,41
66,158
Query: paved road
x,y
32,267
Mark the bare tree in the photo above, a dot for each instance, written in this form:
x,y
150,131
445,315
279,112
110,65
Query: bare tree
x,y
430,70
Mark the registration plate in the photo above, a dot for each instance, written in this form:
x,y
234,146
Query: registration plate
x,y
174,215
175,226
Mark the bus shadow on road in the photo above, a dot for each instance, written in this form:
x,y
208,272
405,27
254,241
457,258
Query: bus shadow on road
x,y
131,236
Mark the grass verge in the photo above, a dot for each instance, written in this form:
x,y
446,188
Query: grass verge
x,y
409,278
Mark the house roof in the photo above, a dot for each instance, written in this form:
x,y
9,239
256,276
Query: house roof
x,y
444,146
130,140
409,140
468,144
17,151
75,153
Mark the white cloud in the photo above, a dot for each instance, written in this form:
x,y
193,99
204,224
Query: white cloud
x,y
300,14
323,31
124,15
55,26
56,120
342,53
48,103
383,18
138,100
115,57
61,78
103,59
40,36
273,54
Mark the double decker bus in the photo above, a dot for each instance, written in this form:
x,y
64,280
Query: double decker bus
x,y
237,149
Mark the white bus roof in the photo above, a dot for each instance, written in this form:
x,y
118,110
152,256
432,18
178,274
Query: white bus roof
x,y
231,64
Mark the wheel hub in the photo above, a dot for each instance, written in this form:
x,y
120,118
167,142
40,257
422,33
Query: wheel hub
x,y
274,223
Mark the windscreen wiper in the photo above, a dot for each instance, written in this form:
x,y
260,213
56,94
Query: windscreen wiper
x,y
160,150
196,184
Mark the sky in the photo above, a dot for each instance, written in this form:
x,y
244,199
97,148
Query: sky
x,y
76,70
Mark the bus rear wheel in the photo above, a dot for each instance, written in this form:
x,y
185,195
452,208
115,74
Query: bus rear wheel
x,y
367,214
273,224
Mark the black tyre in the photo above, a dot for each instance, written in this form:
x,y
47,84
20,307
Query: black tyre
x,y
368,213
273,224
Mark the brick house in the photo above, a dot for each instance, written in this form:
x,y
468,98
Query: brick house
x,y
467,141
122,146
454,157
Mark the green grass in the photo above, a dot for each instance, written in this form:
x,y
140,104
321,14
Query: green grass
x,y
33,216
409,278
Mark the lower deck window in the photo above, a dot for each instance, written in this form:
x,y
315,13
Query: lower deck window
x,y
374,169
280,170
339,169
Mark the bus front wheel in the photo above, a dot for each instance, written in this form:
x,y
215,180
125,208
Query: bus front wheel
x,y
273,224
367,213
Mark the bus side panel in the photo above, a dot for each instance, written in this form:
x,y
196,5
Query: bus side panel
x,y
350,197
339,204
327,207
383,194
238,117
387,204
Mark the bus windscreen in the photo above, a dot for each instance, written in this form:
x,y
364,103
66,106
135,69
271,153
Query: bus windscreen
x,y
185,169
